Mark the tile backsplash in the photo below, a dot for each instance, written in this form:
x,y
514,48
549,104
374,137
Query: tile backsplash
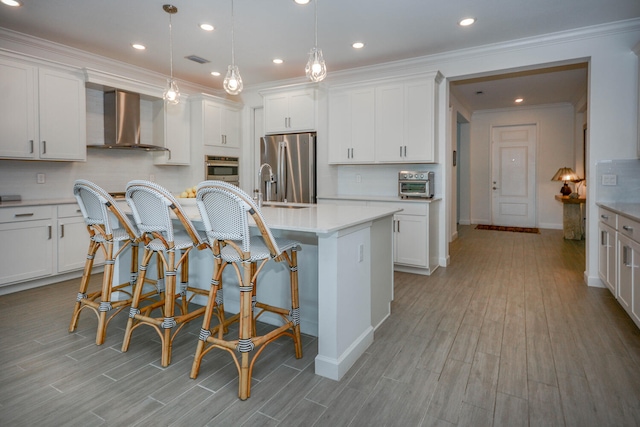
x,y
625,173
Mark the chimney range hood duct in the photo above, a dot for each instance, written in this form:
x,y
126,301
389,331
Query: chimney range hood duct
x,y
122,122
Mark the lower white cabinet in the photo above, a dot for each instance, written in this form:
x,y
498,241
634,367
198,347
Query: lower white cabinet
x,y
410,249
415,243
619,259
42,242
607,265
27,236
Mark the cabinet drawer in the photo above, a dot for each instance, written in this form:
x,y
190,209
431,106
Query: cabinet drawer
x,y
629,228
69,210
26,213
608,217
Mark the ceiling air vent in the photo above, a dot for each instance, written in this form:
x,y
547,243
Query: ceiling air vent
x,y
196,58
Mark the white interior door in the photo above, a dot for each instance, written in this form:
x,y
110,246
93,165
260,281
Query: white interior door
x,y
513,175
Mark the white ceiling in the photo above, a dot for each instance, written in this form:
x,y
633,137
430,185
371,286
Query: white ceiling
x,y
265,29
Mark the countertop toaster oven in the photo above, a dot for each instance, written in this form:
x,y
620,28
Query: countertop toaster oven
x,y
415,184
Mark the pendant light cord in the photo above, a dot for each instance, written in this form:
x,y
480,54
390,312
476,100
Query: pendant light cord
x,y
170,47
233,61
315,5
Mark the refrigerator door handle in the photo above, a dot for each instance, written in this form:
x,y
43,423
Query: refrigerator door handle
x,y
281,171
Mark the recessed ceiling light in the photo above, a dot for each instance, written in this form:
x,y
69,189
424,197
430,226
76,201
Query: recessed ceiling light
x,y
207,27
358,45
12,3
277,61
215,74
302,1
518,100
138,46
466,22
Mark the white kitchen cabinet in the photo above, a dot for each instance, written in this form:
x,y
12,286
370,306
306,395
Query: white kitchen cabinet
x,y
215,122
415,239
172,131
607,265
43,113
289,111
73,240
410,233
405,121
28,236
628,266
45,241
351,126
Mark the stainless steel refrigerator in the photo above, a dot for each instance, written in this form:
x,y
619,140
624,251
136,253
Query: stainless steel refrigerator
x,y
287,170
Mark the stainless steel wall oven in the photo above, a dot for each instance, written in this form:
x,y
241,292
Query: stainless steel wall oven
x,y
222,169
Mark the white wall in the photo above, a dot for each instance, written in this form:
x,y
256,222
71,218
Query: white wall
x,y
554,149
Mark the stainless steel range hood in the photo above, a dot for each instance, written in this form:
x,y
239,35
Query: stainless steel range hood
x,y
122,122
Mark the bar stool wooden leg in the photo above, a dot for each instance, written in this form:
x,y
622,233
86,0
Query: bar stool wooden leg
x,y
245,345
105,305
169,309
84,284
295,303
135,303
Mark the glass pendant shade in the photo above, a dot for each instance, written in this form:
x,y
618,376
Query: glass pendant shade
x,y
232,82
171,94
316,69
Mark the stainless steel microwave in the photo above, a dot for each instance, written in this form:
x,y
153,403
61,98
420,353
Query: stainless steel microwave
x,y
222,169
418,184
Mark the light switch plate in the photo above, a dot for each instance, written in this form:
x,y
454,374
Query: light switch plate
x,y
40,178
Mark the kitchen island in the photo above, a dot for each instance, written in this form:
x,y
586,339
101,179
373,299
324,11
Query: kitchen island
x,y
345,275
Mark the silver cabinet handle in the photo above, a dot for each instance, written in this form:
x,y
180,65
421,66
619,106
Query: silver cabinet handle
x,y
625,252
44,147
627,228
401,151
603,237
604,216
31,142
405,151
49,232
61,231
23,214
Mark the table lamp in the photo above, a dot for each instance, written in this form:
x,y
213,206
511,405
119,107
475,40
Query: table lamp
x,y
565,174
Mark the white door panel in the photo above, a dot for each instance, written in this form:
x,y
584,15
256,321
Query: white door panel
x,y
513,175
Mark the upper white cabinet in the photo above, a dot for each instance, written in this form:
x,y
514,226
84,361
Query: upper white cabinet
x,y
215,122
397,119
43,113
171,128
288,111
406,122
351,126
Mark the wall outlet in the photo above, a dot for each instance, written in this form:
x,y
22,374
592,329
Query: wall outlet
x,y
358,178
609,179
40,178
360,252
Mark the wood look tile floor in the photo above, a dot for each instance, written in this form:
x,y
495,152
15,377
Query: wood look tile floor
x,y
507,335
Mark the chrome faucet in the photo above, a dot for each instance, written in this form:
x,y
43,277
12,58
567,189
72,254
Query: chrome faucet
x,y
271,180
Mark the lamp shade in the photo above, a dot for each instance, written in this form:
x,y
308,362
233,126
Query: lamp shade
x,y
565,174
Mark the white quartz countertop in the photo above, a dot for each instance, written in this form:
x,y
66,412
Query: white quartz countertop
x,y
380,199
318,219
38,202
630,210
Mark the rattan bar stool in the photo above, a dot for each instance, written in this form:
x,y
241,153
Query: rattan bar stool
x,y
225,211
107,226
152,207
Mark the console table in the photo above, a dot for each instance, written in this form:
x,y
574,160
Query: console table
x,y
572,217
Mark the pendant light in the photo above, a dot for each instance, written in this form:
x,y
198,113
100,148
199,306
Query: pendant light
x,y
232,82
316,69
171,94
